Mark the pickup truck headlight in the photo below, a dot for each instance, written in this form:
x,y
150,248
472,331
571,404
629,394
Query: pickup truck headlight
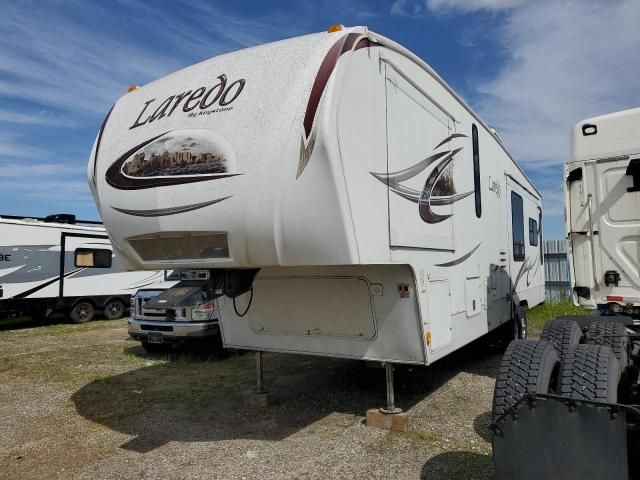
x,y
202,312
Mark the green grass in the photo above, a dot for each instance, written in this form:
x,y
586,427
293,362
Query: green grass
x,y
539,315
19,328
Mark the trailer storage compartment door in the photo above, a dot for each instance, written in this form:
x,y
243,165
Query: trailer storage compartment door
x,y
418,166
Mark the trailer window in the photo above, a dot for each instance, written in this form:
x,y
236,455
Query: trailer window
x,y
93,258
476,169
517,227
533,232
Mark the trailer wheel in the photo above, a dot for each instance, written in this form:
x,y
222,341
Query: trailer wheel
x,y
521,323
114,309
612,335
562,334
82,312
527,367
590,372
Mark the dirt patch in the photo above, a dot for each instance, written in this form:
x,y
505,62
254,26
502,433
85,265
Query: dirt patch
x,y
86,402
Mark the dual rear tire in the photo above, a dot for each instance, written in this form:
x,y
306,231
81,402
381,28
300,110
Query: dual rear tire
x,y
560,364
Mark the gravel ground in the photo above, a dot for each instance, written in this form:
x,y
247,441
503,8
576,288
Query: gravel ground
x,y
84,402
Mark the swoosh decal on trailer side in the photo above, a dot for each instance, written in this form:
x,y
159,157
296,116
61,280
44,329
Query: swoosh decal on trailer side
x,y
458,261
160,212
95,158
43,285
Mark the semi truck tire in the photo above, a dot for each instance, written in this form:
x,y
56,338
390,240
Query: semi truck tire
x,y
612,335
590,372
82,312
562,334
114,309
527,366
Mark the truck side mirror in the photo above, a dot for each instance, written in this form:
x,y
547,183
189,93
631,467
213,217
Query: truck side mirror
x,y
93,258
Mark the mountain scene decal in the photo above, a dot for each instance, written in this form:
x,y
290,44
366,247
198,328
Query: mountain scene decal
x,y
173,158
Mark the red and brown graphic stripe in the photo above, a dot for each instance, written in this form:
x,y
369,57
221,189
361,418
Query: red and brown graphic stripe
x,y
345,44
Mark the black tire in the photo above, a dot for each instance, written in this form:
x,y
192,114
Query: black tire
x,y
157,347
562,334
590,372
114,309
82,312
612,335
527,367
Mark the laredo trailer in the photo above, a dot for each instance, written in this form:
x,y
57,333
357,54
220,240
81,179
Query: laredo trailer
x,y
41,269
576,392
346,200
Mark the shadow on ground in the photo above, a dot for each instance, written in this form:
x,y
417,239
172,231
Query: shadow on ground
x,y
191,399
482,424
458,465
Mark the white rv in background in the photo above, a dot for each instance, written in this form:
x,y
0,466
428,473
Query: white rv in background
x,y
345,200
602,198
43,268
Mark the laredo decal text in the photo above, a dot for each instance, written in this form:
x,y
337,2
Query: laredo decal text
x,y
5,257
202,98
494,186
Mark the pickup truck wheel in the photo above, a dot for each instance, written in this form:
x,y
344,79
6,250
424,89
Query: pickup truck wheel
x,y
613,335
590,372
82,312
527,367
114,309
562,334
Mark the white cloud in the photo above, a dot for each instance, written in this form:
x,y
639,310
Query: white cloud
x,y
565,61
406,8
472,5
41,118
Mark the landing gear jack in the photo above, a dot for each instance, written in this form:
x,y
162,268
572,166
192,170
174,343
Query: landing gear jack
x,y
389,417
262,396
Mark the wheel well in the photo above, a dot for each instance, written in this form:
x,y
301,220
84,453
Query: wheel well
x,y
524,303
120,298
90,300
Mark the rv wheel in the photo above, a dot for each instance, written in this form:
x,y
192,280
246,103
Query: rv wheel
x,y
527,367
114,309
520,323
82,312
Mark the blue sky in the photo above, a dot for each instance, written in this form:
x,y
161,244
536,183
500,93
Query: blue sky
x,y
531,69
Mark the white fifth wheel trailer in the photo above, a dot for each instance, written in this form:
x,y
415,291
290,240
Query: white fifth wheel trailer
x,y
603,212
346,200
41,269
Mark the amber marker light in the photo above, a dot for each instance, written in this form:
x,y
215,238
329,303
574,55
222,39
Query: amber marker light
x,y
132,88
428,335
335,28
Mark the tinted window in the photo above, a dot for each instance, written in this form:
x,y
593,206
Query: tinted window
x,y
476,169
533,232
540,235
517,227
